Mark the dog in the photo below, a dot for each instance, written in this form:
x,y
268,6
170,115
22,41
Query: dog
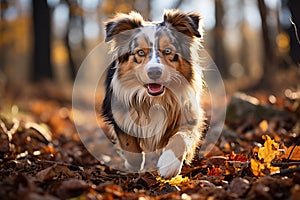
x,y
153,89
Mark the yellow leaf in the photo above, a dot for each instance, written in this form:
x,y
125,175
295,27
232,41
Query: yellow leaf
x,y
269,150
177,180
256,167
260,169
266,154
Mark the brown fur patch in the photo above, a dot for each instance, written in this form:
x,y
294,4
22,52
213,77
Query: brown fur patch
x,y
186,23
183,66
121,23
126,66
134,59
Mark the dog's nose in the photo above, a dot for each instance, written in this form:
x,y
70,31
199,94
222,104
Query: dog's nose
x,y
154,72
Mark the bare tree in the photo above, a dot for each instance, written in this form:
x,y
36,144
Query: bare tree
x,y
269,63
294,30
218,45
41,21
75,17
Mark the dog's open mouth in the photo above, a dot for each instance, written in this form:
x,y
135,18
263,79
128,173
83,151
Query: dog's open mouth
x,y
155,89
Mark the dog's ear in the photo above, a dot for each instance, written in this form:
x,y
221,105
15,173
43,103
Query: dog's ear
x,y
187,23
121,23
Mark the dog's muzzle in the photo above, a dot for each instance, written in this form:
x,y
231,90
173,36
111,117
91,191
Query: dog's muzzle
x,y
154,73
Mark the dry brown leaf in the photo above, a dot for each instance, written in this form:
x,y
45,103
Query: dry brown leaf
x,y
54,171
72,188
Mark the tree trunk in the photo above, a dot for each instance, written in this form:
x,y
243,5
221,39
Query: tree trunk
x,y
294,30
269,63
42,68
218,45
75,21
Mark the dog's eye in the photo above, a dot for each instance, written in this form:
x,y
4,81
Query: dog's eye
x,y
167,51
141,53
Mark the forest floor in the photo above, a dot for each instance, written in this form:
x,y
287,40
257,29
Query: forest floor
x,y
256,157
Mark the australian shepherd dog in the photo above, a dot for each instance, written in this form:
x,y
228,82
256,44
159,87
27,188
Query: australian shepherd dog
x,y
153,90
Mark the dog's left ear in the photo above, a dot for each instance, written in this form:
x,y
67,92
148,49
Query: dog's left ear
x,y
187,23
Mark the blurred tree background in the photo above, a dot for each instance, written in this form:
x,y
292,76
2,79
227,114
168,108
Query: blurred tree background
x,y
253,42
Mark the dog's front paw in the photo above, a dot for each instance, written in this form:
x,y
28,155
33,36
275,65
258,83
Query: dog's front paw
x,y
169,165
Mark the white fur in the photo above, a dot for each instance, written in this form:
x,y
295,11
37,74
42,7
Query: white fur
x,y
168,164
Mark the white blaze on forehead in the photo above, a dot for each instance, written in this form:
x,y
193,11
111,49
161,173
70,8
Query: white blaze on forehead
x,y
149,32
153,56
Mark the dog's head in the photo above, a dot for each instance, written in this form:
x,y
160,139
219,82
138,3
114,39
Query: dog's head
x,y
151,56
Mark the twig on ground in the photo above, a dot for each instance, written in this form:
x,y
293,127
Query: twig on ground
x,y
286,171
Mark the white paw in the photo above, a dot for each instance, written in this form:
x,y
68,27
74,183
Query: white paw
x,y
133,161
169,165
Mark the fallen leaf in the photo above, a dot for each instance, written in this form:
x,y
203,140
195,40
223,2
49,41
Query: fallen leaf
x,y
256,167
292,153
54,171
266,154
237,157
176,181
269,150
215,171
72,188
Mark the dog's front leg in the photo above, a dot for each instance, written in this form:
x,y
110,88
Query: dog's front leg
x,y
131,152
182,145
172,158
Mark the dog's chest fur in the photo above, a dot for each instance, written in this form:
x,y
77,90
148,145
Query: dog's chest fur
x,y
152,121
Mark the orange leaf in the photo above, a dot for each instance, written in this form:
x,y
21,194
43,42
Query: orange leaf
x,y
214,172
256,167
49,149
260,169
295,150
263,125
235,157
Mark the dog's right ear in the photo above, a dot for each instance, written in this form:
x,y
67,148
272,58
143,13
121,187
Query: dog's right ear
x,y
189,24
121,23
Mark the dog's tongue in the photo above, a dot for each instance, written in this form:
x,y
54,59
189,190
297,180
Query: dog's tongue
x,y
154,88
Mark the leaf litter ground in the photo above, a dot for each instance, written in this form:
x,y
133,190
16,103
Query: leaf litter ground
x,y
256,157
